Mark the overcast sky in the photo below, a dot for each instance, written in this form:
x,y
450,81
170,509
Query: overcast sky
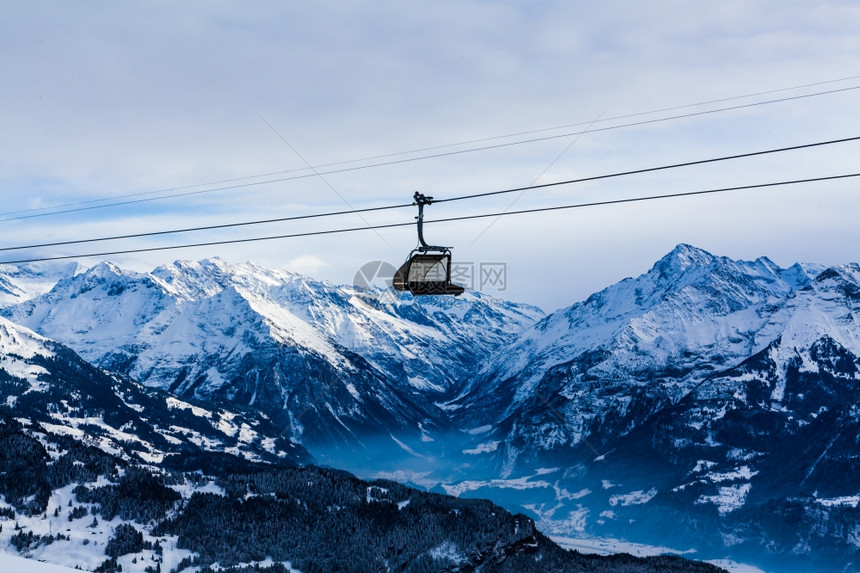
x,y
113,102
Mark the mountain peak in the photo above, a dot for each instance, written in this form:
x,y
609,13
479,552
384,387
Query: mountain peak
x,y
685,256
800,275
104,268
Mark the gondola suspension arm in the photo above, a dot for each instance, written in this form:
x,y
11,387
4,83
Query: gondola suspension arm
x,y
427,270
421,200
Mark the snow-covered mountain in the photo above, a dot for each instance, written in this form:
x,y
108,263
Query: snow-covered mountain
x,y
655,338
46,385
708,401
332,364
23,282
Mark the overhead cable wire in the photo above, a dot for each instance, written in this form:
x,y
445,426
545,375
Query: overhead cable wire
x,y
206,227
127,195
423,157
650,197
649,169
446,145
443,220
450,199
317,173
606,119
457,198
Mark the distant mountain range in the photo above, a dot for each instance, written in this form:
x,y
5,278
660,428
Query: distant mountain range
x,y
709,404
330,364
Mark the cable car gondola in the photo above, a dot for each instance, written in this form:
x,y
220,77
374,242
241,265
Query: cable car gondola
x,y
427,271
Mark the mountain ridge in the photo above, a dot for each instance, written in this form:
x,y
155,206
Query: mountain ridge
x,y
330,363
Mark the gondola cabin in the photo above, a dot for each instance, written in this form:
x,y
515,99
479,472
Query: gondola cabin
x,y
427,270
426,273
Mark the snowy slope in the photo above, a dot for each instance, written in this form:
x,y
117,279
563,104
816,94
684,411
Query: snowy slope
x,y
425,336
13,563
48,385
211,308
64,501
18,347
599,368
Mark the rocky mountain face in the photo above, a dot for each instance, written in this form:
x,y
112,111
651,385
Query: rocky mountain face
x,y
330,364
709,402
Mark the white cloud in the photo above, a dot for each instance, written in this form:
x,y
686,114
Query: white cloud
x,y
108,100
309,265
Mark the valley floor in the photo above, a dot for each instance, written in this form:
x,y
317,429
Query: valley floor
x,y
605,546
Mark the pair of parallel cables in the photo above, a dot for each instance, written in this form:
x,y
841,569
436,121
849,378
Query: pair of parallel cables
x,y
437,152
444,200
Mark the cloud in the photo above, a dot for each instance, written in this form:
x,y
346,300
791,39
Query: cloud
x,y
308,265
112,99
